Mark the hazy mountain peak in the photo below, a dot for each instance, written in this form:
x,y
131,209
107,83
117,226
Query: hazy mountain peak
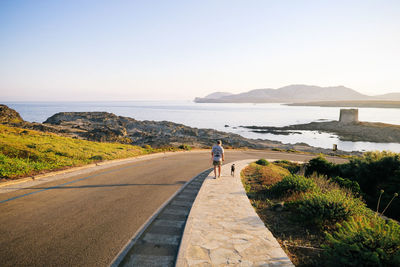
x,y
217,95
287,94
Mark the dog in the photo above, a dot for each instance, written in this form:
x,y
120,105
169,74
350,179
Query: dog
x,y
233,170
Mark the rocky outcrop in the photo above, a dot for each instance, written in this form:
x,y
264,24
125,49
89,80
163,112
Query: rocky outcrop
x,y
8,115
103,126
356,131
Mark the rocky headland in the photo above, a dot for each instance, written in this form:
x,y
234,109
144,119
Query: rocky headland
x,y
108,127
356,131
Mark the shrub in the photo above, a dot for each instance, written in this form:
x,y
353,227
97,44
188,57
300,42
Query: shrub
x,y
262,162
185,147
97,157
147,147
292,184
327,208
321,166
373,171
347,183
363,242
264,175
292,167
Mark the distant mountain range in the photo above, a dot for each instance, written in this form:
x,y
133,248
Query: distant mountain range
x,y
293,93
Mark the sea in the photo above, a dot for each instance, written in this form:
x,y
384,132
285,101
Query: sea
x,y
227,117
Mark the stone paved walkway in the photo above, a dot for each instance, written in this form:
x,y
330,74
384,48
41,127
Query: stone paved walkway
x,y
223,228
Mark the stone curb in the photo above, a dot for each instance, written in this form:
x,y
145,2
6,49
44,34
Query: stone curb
x,y
93,165
223,228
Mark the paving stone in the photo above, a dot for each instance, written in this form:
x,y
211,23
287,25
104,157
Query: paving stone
x,y
157,229
184,198
190,191
187,195
176,211
162,239
223,256
175,217
169,223
198,263
182,203
198,253
142,248
151,261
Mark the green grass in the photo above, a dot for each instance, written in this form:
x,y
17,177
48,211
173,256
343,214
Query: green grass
x,y
27,152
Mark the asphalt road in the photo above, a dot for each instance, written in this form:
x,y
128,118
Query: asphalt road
x,y
85,220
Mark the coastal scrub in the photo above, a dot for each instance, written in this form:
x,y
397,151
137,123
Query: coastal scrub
x,y
318,220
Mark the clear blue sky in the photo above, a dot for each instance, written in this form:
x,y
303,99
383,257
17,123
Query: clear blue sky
x,y
131,50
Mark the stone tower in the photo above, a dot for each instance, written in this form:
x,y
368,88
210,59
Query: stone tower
x,y
348,116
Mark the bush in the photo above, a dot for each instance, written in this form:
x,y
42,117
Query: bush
x,y
320,165
185,147
147,147
292,167
347,183
363,242
262,162
327,208
97,158
292,184
263,176
373,171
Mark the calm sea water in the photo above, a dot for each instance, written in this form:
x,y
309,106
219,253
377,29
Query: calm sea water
x,y
226,117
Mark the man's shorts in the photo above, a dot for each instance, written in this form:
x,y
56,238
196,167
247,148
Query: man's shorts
x,y
217,162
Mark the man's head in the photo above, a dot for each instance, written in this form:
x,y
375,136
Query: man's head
x,y
219,142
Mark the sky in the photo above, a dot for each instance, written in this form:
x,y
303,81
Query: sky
x,y
176,50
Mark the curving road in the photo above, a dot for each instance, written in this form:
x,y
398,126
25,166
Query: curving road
x,y
86,219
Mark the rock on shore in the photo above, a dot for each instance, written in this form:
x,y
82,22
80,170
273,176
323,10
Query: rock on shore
x,y
104,126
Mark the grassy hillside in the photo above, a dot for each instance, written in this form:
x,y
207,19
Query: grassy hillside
x,y
27,152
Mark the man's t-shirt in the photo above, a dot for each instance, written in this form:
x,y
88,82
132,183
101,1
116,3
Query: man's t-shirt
x,y
218,151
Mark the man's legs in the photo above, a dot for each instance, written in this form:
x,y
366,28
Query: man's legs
x,y
219,170
215,171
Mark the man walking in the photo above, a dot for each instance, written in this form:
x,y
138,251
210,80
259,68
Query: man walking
x,y
217,155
